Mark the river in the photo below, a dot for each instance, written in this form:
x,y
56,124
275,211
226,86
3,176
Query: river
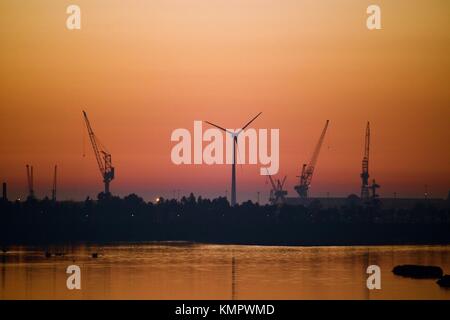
x,y
177,270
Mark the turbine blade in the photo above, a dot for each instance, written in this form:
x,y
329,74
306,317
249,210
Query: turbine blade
x,y
248,123
218,127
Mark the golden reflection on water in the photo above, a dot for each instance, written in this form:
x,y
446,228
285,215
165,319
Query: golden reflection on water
x,y
198,271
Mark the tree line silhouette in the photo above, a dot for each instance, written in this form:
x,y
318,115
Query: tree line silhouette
x,y
111,219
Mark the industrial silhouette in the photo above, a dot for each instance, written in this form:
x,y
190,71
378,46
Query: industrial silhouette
x,y
103,157
308,169
304,220
277,194
365,166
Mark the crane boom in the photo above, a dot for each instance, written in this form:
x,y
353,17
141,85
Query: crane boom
x,y
313,161
94,143
308,169
284,180
272,183
367,142
102,156
365,166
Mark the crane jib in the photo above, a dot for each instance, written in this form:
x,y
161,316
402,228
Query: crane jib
x,y
103,158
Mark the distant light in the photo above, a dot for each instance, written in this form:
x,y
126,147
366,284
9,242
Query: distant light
x,y
158,199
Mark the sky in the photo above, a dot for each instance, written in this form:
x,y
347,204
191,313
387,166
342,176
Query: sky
x,y
142,69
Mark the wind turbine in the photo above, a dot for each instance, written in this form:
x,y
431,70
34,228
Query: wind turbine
x,y
234,136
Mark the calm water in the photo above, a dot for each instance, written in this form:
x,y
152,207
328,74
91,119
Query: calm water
x,y
196,271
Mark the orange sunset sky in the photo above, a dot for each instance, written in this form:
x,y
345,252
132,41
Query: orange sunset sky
x,y
144,68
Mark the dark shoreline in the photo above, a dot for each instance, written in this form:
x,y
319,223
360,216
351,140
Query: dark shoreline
x,y
105,244
342,236
214,221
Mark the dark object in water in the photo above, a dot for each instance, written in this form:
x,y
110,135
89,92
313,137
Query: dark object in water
x,y
47,254
59,254
418,272
95,255
444,281
4,250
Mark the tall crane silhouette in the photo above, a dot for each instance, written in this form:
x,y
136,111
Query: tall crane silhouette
x,y
308,169
365,166
102,155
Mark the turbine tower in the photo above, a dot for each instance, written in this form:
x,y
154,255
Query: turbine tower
x,y
54,185
234,136
30,180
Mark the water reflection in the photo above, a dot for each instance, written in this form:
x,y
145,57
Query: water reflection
x,y
196,271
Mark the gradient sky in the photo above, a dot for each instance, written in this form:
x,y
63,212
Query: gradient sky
x,y
144,68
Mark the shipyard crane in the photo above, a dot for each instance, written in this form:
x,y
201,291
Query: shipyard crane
x,y
277,194
308,169
374,186
54,185
365,166
30,181
102,155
